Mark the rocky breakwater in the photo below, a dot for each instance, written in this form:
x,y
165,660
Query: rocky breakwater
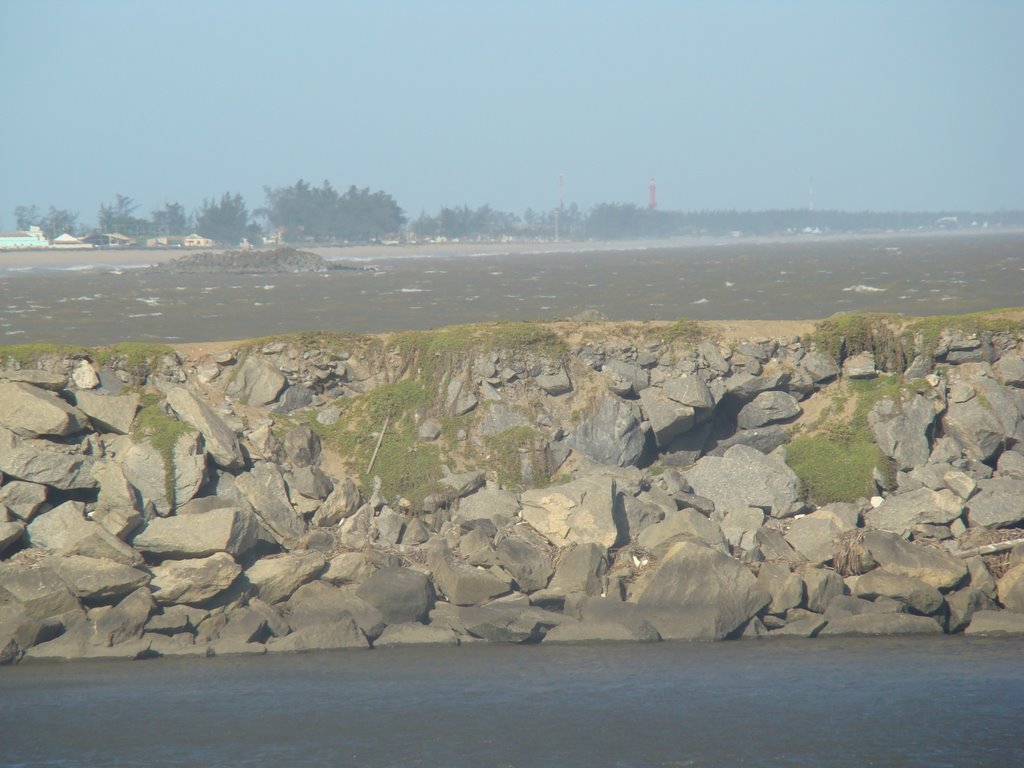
x,y
511,483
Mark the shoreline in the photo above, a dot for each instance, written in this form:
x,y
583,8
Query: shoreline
x,y
31,260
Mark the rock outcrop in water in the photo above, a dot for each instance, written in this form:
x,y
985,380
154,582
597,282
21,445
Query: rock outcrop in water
x,y
510,483
248,262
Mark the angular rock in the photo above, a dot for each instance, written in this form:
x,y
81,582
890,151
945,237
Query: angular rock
x,y
870,624
920,597
785,587
860,366
398,635
317,603
821,587
974,427
65,531
320,637
48,380
1010,589
743,478
900,513
739,525
997,504
820,367
463,584
491,504
529,566
697,593
400,594
554,384
189,462
341,504
265,490
32,412
581,570
38,591
813,535
302,446
276,578
98,580
768,408
38,461
144,467
109,413
580,511
668,418
10,533
22,499
231,530
219,439
612,434
996,623
934,567
256,381
903,428
963,604
683,522
125,621
514,623
196,580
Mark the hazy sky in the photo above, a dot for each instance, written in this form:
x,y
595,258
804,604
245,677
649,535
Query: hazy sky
x,y
886,104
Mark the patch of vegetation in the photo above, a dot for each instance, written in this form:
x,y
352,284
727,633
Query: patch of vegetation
x,y
836,462
29,354
406,466
683,331
332,341
153,425
848,334
514,450
131,353
928,330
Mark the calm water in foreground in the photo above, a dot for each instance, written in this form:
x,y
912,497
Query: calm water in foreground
x,y
879,702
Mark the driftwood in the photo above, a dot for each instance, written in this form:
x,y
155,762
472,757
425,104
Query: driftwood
x,y
990,549
380,439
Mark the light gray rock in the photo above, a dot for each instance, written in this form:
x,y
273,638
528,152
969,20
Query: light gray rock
x,y
220,441
195,580
341,504
812,536
39,461
320,637
785,587
492,504
22,499
739,525
555,383
463,584
918,596
311,482
32,412
900,513
668,418
528,565
902,429
697,593
64,530
230,529
805,626
580,570
963,604
581,511
744,477
9,533
400,594
997,504
317,603
974,427
276,578
125,621
870,624
821,587
934,567
38,591
768,408
985,623
459,399
1010,589
860,366
848,605
820,367
48,380
189,467
264,488
1010,369
144,467
682,522
256,381
109,413
398,635
611,434
462,484
98,580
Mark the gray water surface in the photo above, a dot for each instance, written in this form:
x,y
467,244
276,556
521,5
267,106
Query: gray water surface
x,y
878,702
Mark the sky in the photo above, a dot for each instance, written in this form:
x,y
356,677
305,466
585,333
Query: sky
x,y
911,105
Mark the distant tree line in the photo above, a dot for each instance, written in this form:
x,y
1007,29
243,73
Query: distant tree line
x,y
303,213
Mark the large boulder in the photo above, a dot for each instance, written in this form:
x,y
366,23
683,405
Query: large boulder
x,y
902,512
39,461
256,381
109,413
492,504
264,488
464,584
528,565
317,603
581,511
934,567
64,530
32,412
812,536
97,579
276,578
219,439
974,426
697,593
400,594
668,417
399,635
768,408
869,624
658,537
508,623
612,434
194,581
918,596
38,591
1010,589
745,477
22,499
902,429
343,633
997,504
580,570
145,468
343,502
985,623
232,530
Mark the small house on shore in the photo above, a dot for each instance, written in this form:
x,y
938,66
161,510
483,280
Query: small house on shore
x,y
33,238
197,241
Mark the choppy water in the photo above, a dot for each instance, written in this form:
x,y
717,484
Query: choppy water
x,y
850,703
763,281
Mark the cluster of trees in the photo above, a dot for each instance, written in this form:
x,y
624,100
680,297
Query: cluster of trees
x,y
304,213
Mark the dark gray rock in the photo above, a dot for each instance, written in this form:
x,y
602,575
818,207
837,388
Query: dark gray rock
x,y
768,408
256,381
612,434
39,461
934,567
918,596
220,441
902,429
399,635
400,594
528,565
997,503
514,623
302,446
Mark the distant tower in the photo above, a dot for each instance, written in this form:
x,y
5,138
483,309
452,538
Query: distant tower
x,y
652,195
